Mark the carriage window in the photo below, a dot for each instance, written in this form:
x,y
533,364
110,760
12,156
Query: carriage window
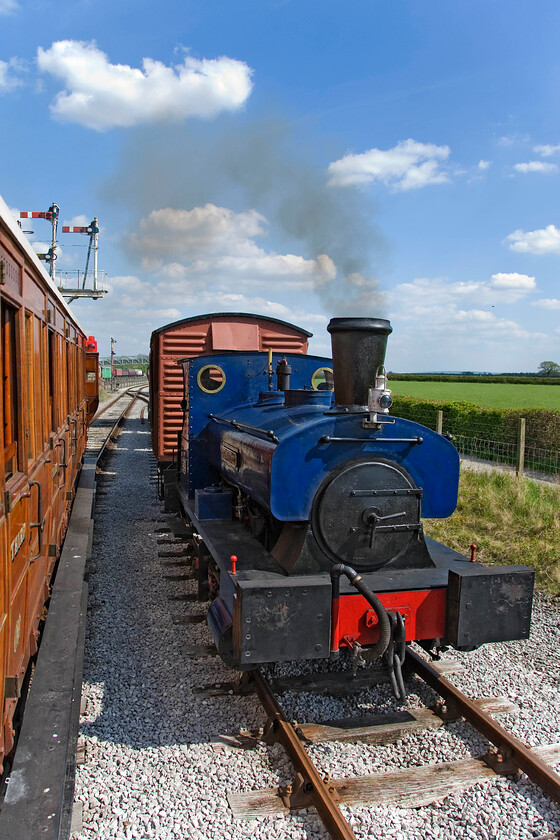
x,y
52,380
30,389
322,380
10,389
211,379
70,402
38,386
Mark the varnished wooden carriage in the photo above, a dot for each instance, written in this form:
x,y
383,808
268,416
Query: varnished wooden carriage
x,y
50,391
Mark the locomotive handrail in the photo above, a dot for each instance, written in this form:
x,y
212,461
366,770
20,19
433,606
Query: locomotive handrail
x,y
244,427
328,439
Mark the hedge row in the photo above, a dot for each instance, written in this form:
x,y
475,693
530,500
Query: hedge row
x,y
490,379
469,420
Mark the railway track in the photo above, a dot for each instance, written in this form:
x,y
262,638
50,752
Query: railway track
x,y
108,419
39,794
507,755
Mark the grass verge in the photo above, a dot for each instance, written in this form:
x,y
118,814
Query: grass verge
x,y
511,520
486,395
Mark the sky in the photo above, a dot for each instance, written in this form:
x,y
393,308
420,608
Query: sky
x,y
299,159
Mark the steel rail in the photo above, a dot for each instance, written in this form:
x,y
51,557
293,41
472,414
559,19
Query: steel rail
x,y
95,450
105,406
320,792
512,751
97,454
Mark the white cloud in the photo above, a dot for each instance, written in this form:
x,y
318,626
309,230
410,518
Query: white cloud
x,y
547,303
453,337
432,292
9,81
547,150
163,316
513,283
215,243
80,220
149,304
484,164
460,330
191,234
536,166
40,247
129,283
101,95
408,165
294,271
8,6
545,241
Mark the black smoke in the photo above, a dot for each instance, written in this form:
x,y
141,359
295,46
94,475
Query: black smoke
x,y
265,165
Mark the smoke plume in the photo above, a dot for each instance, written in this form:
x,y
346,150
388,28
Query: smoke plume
x,y
262,166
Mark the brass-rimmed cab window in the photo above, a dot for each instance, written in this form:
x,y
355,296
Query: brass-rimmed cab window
x,y
322,379
10,389
211,379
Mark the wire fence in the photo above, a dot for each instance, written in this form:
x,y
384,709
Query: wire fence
x,y
488,450
548,460
516,442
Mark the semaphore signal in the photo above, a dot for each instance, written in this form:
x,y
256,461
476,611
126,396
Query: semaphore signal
x,y
92,230
52,216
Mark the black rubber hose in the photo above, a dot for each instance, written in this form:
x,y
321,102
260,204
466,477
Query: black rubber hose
x,y
384,625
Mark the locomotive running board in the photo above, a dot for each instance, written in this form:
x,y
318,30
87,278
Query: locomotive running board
x,y
413,788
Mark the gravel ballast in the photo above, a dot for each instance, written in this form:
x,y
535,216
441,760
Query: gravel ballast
x,y
153,768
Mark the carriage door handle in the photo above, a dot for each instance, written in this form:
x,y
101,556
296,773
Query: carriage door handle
x,y
40,524
74,421
63,463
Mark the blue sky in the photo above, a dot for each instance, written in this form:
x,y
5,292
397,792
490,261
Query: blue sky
x,y
299,159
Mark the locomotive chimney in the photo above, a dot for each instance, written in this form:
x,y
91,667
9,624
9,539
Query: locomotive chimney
x,y
358,349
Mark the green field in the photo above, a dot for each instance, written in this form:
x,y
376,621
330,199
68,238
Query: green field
x,y
486,394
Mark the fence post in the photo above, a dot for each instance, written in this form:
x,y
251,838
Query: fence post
x,y
439,422
520,446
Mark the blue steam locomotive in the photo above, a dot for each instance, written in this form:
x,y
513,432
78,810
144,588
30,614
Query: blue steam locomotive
x,y
306,500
